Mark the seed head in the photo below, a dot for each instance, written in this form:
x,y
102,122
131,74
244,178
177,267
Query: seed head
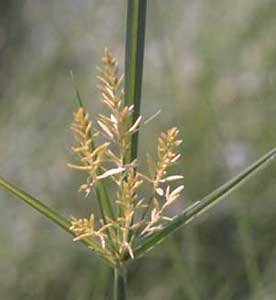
x,y
135,217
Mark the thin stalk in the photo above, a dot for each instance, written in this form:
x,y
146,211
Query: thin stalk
x,y
204,204
135,40
119,284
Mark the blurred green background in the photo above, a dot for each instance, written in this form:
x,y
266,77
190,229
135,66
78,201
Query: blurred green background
x,y
210,66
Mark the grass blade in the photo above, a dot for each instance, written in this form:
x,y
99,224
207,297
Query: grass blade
x,y
206,203
36,204
49,213
135,38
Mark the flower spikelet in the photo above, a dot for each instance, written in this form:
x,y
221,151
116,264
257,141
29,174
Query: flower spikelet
x,y
91,158
163,197
116,126
127,202
84,228
167,156
127,196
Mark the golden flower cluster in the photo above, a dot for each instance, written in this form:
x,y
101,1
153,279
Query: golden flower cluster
x,y
135,217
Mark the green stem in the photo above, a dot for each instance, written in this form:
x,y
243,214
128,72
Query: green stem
x,y
135,39
120,284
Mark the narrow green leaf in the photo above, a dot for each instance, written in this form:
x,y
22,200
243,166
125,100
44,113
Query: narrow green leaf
x,y
36,204
203,205
49,213
135,39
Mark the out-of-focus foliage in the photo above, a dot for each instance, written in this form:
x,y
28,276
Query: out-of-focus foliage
x,y
210,66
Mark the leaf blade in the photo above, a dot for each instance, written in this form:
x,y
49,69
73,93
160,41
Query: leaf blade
x,y
36,204
205,203
49,213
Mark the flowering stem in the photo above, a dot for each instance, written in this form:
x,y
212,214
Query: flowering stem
x,y
120,284
135,38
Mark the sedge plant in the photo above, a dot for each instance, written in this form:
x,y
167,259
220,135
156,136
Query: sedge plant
x,y
129,225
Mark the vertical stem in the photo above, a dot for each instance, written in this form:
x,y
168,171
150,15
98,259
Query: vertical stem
x,y
120,284
135,38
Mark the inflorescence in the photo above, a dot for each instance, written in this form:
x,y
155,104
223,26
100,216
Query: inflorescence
x,y
135,217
